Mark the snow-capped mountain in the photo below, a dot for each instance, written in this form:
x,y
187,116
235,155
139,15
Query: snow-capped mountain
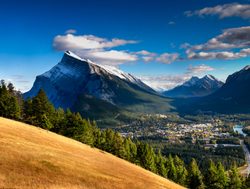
x,y
82,85
195,87
232,97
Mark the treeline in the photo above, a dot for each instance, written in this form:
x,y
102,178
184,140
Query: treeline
x,y
226,155
40,112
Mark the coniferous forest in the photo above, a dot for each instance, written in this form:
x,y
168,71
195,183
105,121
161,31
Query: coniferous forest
x,y
40,112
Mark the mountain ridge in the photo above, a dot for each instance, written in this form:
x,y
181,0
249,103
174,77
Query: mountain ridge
x,y
195,87
232,97
81,85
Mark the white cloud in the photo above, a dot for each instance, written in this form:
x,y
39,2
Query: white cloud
x,y
95,48
223,11
145,52
229,39
194,70
166,82
147,58
100,49
231,44
167,58
83,42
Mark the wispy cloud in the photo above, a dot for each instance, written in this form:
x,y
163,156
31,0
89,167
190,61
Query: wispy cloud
x,y
197,70
97,49
84,42
19,80
223,11
167,58
229,39
233,43
101,50
166,82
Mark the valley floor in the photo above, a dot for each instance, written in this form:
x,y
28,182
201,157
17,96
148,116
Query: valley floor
x,y
31,157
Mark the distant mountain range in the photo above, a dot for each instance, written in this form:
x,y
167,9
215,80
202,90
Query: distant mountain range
x,y
232,97
105,92
195,87
97,91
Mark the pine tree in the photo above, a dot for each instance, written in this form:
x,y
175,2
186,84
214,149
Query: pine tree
x,y
27,112
39,111
195,178
146,156
11,88
88,132
126,149
211,177
109,140
171,169
58,120
160,164
235,180
9,106
98,142
118,146
181,171
132,150
222,177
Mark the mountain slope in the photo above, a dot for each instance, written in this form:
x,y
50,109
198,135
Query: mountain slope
x,y
35,158
232,97
195,87
77,84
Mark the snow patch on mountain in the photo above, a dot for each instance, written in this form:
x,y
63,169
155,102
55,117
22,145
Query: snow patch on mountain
x,y
109,69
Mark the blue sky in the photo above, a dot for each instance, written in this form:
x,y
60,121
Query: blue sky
x,y
162,42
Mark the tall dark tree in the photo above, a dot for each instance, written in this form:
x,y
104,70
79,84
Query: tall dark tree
x,y
181,171
9,106
171,169
160,164
39,111
146,156
222,177
211,176
118,146
235,179
195,178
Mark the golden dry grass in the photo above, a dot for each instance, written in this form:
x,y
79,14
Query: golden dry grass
x,y
31,157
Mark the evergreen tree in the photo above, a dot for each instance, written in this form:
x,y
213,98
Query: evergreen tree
x,y
28,116
160,164
11,88
132,151
39,111
222,177
58,120
99,139
83,131
195,178
171,169
211,176
118,146
146,156
109,139
9,106
235,180
181,171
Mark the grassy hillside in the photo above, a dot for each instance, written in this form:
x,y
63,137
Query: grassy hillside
x,y
34,158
